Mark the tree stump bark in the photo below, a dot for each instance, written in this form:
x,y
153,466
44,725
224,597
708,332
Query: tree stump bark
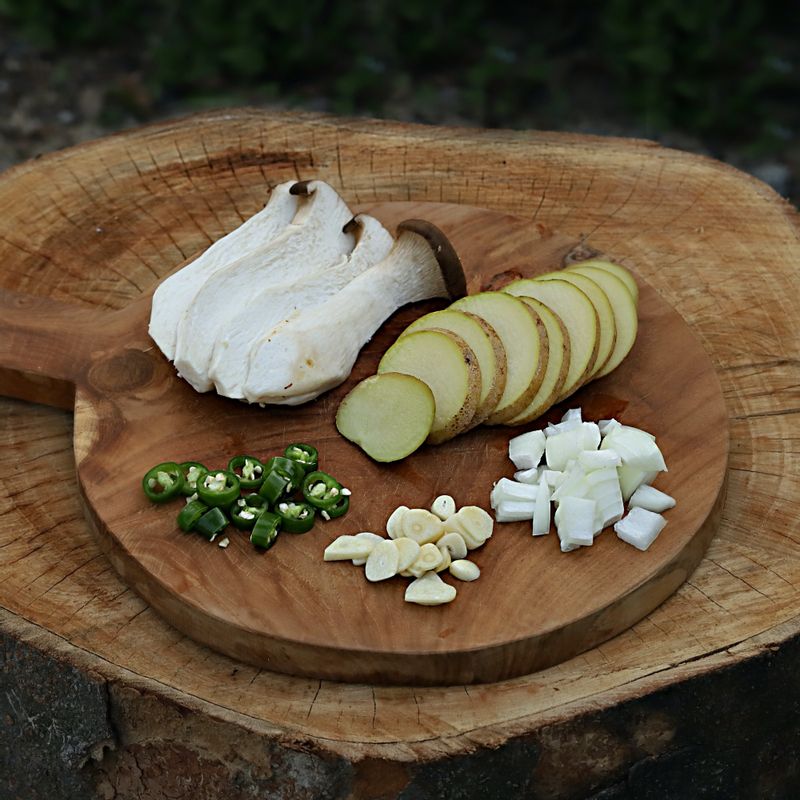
x,y
101,699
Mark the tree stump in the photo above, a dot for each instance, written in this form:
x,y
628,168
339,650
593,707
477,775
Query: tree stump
x,y
100,698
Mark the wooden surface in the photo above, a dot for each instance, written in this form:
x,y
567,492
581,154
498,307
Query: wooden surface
x,y
719,246
288,610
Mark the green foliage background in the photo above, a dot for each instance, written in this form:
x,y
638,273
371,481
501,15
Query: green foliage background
x,y
714,68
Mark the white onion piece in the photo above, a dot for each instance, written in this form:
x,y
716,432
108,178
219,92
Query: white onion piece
x,y
640,527
541,509
526,450
553,477
506,489
515,510
596,459
608,426
630,479
636,449
529,476
561,427
652,499
573,414
575,521
563,447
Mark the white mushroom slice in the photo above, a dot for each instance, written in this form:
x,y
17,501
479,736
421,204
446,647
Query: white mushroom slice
x,y
372,537
473,523
174,295
443,506
465,570
640,527
346,548
407,551
526,450
382,562
430,590
312,241
454,543
421,525
393,524
300,359
652,499
429,558
278,302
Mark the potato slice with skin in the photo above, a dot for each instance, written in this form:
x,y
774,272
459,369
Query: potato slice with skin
x,y
607,332
624,307
484,342
615,269
577,313
388,415
522,333
557,364
448,366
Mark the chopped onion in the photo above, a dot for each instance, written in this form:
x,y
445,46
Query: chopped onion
x,y
526,450
575,521
640,527
596,459
541,509
652,499
608,426
506,489
631,478
636,448
515,510
530,476
573,414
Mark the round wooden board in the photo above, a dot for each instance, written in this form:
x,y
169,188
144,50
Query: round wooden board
x,y
289,611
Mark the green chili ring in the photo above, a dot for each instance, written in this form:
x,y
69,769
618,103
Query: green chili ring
x,y
192,472
249,470
163,482
190,515
211,523
339,509
291,468
244,511
212,493
321,490
296,517
265,531
304,454
276,484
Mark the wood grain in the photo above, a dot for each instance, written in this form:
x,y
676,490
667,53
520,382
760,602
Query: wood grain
x,y
289,611
720,246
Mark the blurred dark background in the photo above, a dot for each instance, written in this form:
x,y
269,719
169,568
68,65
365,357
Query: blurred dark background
x,y
713,76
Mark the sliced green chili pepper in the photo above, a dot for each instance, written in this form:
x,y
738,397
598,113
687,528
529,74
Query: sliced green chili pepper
x,y
218,488
276,485
304,454
211,523
338,509
288,467
163,482
190,515
192,471
248,469
265,531
246,510
295,517
321,490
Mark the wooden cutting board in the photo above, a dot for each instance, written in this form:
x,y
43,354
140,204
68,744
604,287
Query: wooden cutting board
x,y
289,611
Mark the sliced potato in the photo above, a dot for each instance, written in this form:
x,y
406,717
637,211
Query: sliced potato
x,y
557,364
388,415
485,343
449,367
615,269
624,307
607,332
521,332
577,313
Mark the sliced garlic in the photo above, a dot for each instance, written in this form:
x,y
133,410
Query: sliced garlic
x,y
465,570
455,544
383,561
428,559
652,499
640,527
443,506
430,590
374,538
346,548
446,558
407,552
393,523
473,523
422,526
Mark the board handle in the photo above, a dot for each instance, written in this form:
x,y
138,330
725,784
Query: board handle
x,y
45,346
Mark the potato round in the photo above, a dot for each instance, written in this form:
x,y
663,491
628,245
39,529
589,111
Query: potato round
x,y
388,416
485,343
615,269
449,367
